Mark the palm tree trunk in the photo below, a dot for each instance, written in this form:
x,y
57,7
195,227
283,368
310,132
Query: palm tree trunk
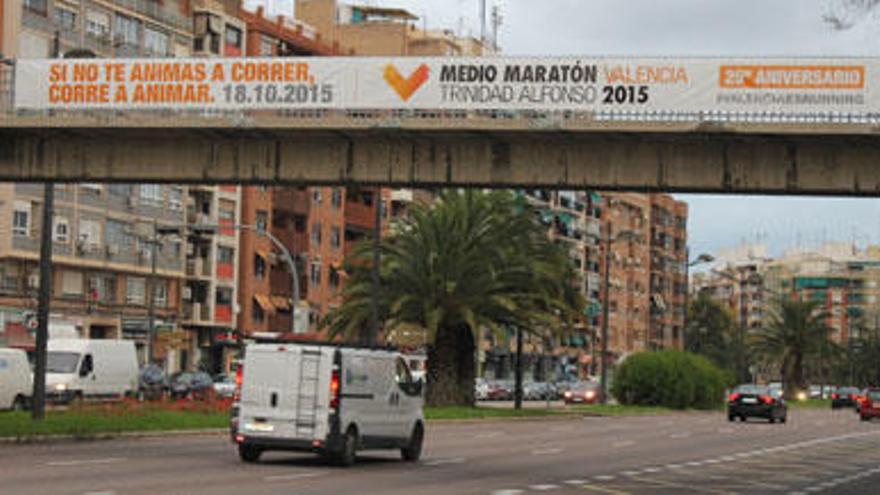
x,y
451,368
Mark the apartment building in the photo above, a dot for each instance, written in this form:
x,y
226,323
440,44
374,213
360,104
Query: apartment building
x,y
668,262
103,28
102,267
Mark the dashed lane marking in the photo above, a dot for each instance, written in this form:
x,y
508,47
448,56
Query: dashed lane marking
x,y
292,477
604,477
550,451
625,443
85,462
575,482
544,488
444,462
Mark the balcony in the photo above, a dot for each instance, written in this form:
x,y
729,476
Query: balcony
x,y
197,313
198,267
155,10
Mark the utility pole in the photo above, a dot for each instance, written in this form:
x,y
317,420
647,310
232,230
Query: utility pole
x,y
372,334
38,412
606,279
151,294
518,376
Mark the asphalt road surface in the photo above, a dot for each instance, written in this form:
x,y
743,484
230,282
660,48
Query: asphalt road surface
x,y
817,451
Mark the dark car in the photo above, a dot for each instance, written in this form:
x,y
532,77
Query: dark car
x,y
152,382
188,385
756,401
582,393
870,407
845,397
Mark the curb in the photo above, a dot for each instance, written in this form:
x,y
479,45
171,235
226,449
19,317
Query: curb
x,y
127,435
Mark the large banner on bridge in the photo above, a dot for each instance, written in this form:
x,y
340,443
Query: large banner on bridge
x,y
780,86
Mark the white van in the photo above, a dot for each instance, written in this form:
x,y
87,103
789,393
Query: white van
x,y
329,400
86,368
16,381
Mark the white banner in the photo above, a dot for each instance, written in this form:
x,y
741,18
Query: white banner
x,y
783,86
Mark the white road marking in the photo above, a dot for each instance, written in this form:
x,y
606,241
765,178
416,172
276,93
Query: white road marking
x,y
728,458
85,462
550,451
443,462
108,492
695,463
631,473
680,435
507,492
575,482
292,477
652,470
674,466
544,488
625,443
489,434
604,477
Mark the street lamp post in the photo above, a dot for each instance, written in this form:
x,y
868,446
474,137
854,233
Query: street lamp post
x,y
606,279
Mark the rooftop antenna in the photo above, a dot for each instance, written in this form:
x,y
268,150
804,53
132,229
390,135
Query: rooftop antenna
x,y
483,26
497,20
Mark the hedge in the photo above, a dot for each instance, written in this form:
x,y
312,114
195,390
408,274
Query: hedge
x,y
673,379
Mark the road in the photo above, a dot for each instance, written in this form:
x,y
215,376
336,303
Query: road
x,y
818,451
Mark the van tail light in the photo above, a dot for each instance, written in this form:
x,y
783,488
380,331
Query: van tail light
x,y
766,399
239,378
334,390
732,397
835,396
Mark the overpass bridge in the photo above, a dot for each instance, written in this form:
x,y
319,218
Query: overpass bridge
x,y
722,152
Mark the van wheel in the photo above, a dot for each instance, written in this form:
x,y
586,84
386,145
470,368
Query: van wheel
x,y
348,454
19,404
249,453
413,451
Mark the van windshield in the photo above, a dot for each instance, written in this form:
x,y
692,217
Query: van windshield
x,y
61,362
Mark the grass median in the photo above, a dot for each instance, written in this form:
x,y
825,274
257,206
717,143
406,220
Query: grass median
x,y
89,422
111,419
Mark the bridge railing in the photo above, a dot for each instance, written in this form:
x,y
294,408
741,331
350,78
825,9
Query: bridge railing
x,y
385,118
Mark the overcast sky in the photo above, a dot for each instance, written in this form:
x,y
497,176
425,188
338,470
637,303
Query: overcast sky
x,y
691,27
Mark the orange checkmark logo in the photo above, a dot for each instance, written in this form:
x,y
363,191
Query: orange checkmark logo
x,y
406,87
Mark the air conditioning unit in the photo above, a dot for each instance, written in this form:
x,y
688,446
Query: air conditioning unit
x,y
132,201
33,282
187,293
190,249
112,250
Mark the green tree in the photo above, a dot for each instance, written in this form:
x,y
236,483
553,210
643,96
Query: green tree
x,y
472,261
710,332
795,334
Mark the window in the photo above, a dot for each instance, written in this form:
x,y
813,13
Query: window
x,y
262,220
257,314
97,24
225,255
127,31
156,42
71,283
335,237
259,267
315,274
316,234
337,198
38,6
267,46
103,288
224,297
160,294
118,234
333,279
65,19
21,218
135,289
89,234
123,190
316,195
175,199
233,36
61,230
151,194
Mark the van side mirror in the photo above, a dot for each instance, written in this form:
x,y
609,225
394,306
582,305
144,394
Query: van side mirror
x,y
86,367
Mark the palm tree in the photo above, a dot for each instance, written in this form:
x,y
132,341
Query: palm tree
x,y
474,261
796,333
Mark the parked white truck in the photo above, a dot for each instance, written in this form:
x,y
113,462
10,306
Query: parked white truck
x,y
333,401
16,381
90,369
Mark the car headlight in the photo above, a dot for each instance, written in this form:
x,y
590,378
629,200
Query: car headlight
x,y
60,387
802,396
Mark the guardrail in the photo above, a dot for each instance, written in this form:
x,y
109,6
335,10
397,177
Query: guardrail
x,y
434,119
